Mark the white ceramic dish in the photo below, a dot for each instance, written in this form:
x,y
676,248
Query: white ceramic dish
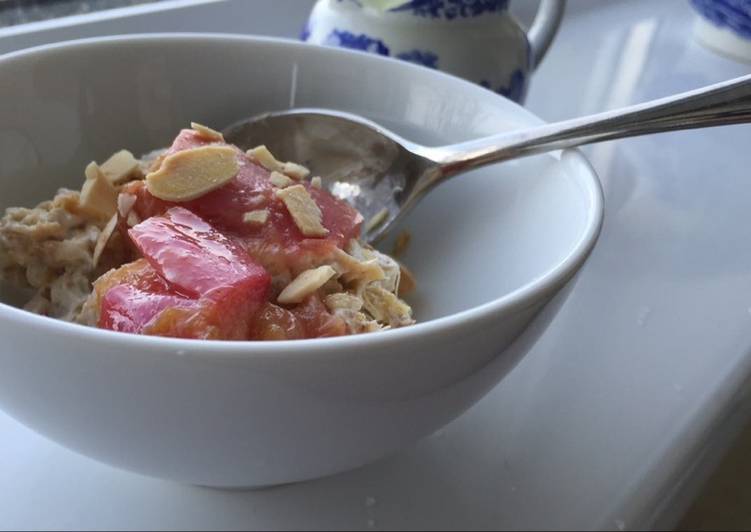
x,y
489,251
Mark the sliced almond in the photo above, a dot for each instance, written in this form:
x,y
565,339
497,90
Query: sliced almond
x,y
391,270
92,171
356,271
98,196
121,167
316,182
295,171
258,217
206,132
305,284
342,301
360,250
280,180
376,220
189,174
103,239
262,155
125,204
386,307
304,210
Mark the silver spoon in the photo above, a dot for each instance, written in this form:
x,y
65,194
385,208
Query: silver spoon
x,y
384,175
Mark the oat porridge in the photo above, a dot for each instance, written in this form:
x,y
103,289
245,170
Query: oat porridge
x,y
203,241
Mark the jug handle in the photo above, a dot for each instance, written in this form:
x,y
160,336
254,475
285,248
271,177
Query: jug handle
x,y
544,27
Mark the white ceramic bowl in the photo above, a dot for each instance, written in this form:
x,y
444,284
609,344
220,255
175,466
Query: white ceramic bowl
x,y
489,250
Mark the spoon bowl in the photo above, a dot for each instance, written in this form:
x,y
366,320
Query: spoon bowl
x,y
358,161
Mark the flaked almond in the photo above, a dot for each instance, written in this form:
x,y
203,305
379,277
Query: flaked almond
x,y
304,210
206,132
261,155
258,217
121,167
388,266
189,174
103,239
376,220
295,171
386,307
316,182
280,180
390,269
353,270
342,301
305,284
92,171
125,204
98,196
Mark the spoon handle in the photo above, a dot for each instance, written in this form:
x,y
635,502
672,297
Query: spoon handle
x,y
720,104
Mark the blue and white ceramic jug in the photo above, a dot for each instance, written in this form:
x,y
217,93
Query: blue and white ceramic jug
x,y
475,39
725,26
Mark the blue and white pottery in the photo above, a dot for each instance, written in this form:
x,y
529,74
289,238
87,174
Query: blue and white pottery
x,y
475,39
725,26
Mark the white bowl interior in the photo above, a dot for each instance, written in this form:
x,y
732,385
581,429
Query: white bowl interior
x,y
474,239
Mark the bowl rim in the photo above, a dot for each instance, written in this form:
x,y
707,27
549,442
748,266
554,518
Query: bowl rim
x,y
517,299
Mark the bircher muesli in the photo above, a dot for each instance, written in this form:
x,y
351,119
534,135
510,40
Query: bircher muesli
x,y
203,241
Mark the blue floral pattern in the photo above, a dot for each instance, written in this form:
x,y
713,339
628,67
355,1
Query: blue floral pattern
x,y
346,39
420,57
733,14
514,90
452,9
305,33
366,43
446,9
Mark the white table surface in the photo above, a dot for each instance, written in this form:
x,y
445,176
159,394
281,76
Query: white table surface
x,y
635,389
